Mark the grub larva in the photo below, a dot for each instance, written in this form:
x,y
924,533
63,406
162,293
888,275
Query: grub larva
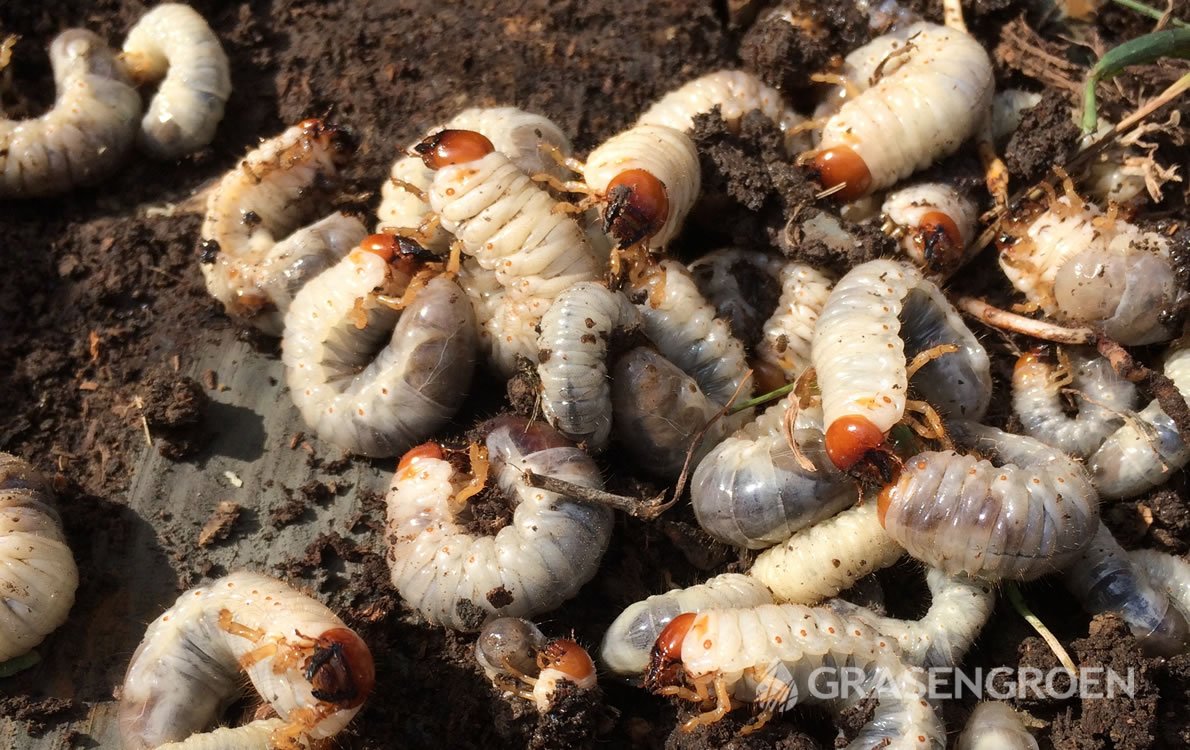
x,y
649,178
273,191
507,646
959,608
507,323
1025,518
1148,448
995,726
575,395
935,221
685,328
1105,579
751,490
367,377
735,93
878,314
552,547
1102,396
1085,267
818,562
522,136
658,411
773,655
518,658
38,576
929,89
310,667
173,46
87,133
631,636
787,336
1167,573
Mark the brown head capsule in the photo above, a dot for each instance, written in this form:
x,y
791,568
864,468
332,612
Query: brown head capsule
x,y
425,450
850,438
842,166
667,653
341,669
338,139
569,658
399,251
940,240
637,207
447,147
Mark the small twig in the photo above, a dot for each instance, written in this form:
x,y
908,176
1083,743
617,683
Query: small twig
x,y
19,664
1040,329
644,509
1018,603
1143,49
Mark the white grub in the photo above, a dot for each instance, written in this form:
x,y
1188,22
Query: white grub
x,y
752,491
638,169
1147,450
1102,397
1168,573
1085,267
925,90
524,137
575,394
995,726
936,223
735,93
276,189
631,636
552,547
736,282
174,47
366,377
658,411
878,314
508,646
88,132
256,735
959,608
788,334
507,322
818,562
771,656
38,576
1023,519
311,668
1104,579
686,330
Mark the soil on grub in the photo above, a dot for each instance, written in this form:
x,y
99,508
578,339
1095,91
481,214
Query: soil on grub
x,y
102,304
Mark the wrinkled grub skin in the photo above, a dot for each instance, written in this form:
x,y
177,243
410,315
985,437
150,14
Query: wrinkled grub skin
x,y
101,293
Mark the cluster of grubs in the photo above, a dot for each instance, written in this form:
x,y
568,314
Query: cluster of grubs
x,y
495,246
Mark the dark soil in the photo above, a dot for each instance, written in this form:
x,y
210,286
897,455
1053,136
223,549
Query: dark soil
x,y
102,304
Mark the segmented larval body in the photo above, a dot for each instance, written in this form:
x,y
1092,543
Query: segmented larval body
x,y
632,163
1104,579
995,726
575,395
631,636
552,547
87,133
507,222
173,44
525,138
684,327
879,314
508,643
369,378
742,285
929,89
658,411
311,668
1083,267
1103,398
776,656
256,735
507,323
963,514
789,332
752,491
937,222
959,608
38,576
276,189
818,562
1148,449
735,93
1167,573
